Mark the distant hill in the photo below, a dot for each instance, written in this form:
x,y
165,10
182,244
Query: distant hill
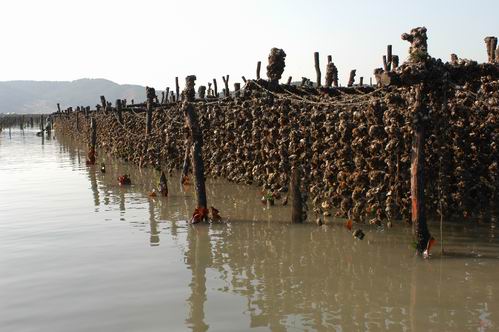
x,y
43,96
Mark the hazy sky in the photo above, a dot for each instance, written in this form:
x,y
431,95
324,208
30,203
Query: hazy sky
x,y
150,42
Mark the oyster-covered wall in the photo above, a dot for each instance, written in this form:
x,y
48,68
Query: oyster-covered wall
x,y
353,144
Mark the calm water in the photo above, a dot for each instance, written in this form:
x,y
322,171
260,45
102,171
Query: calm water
x,y
79,253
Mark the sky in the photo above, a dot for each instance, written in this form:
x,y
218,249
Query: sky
x,y
150,42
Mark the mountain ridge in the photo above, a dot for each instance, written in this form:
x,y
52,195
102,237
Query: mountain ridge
x,y
27,96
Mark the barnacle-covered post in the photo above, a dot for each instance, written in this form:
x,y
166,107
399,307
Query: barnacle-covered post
x,y
419,226
317,69
491,43
201,92
197,146
150,94
351,79
418,51
177,89
119,111
275,68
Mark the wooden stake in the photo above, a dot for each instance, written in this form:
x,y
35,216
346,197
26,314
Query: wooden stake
x,y
351,80
226,83
150,104
103,102
290,78
317,69
58,108
258,67
177,89
329,58
215,87
361,81
237,89
389,56
119,111
418,218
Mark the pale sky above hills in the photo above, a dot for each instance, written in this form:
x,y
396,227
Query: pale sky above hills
x,y
150,42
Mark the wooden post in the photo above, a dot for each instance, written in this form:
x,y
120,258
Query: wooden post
x,y
351,80
395,62
258,66
31,122
389,57
290,78
317,69
119,111
103,102
196,136
244,79
385,63
226,83
172,96
167,94
297,204
215,87
58,108
177,89
419,226
151,94
370,81
361,81
162,97
329,58
237,89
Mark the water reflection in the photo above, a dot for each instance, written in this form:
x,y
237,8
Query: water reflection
x,y
301,277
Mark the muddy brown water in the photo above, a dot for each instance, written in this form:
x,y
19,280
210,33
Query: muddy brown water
x,y
80,253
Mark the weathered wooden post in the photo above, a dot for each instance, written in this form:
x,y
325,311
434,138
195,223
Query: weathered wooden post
x,y
329,58
226,83
317,69
93,142
172,96
201,91
31,122
119,112
103,102
151,94
258,67
177,89
419,226
58,108
385,63
244,79
290,78
389,57
167,94
297,204
237,90
351,80
77,120
275,68
491,43
196,136
215,87
395,62
361,81
162,97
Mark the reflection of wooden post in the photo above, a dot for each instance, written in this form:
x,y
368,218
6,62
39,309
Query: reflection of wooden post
x,y
317,68
297,207
419,226
258,67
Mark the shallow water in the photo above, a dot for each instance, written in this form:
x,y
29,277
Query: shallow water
x,y
80,253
